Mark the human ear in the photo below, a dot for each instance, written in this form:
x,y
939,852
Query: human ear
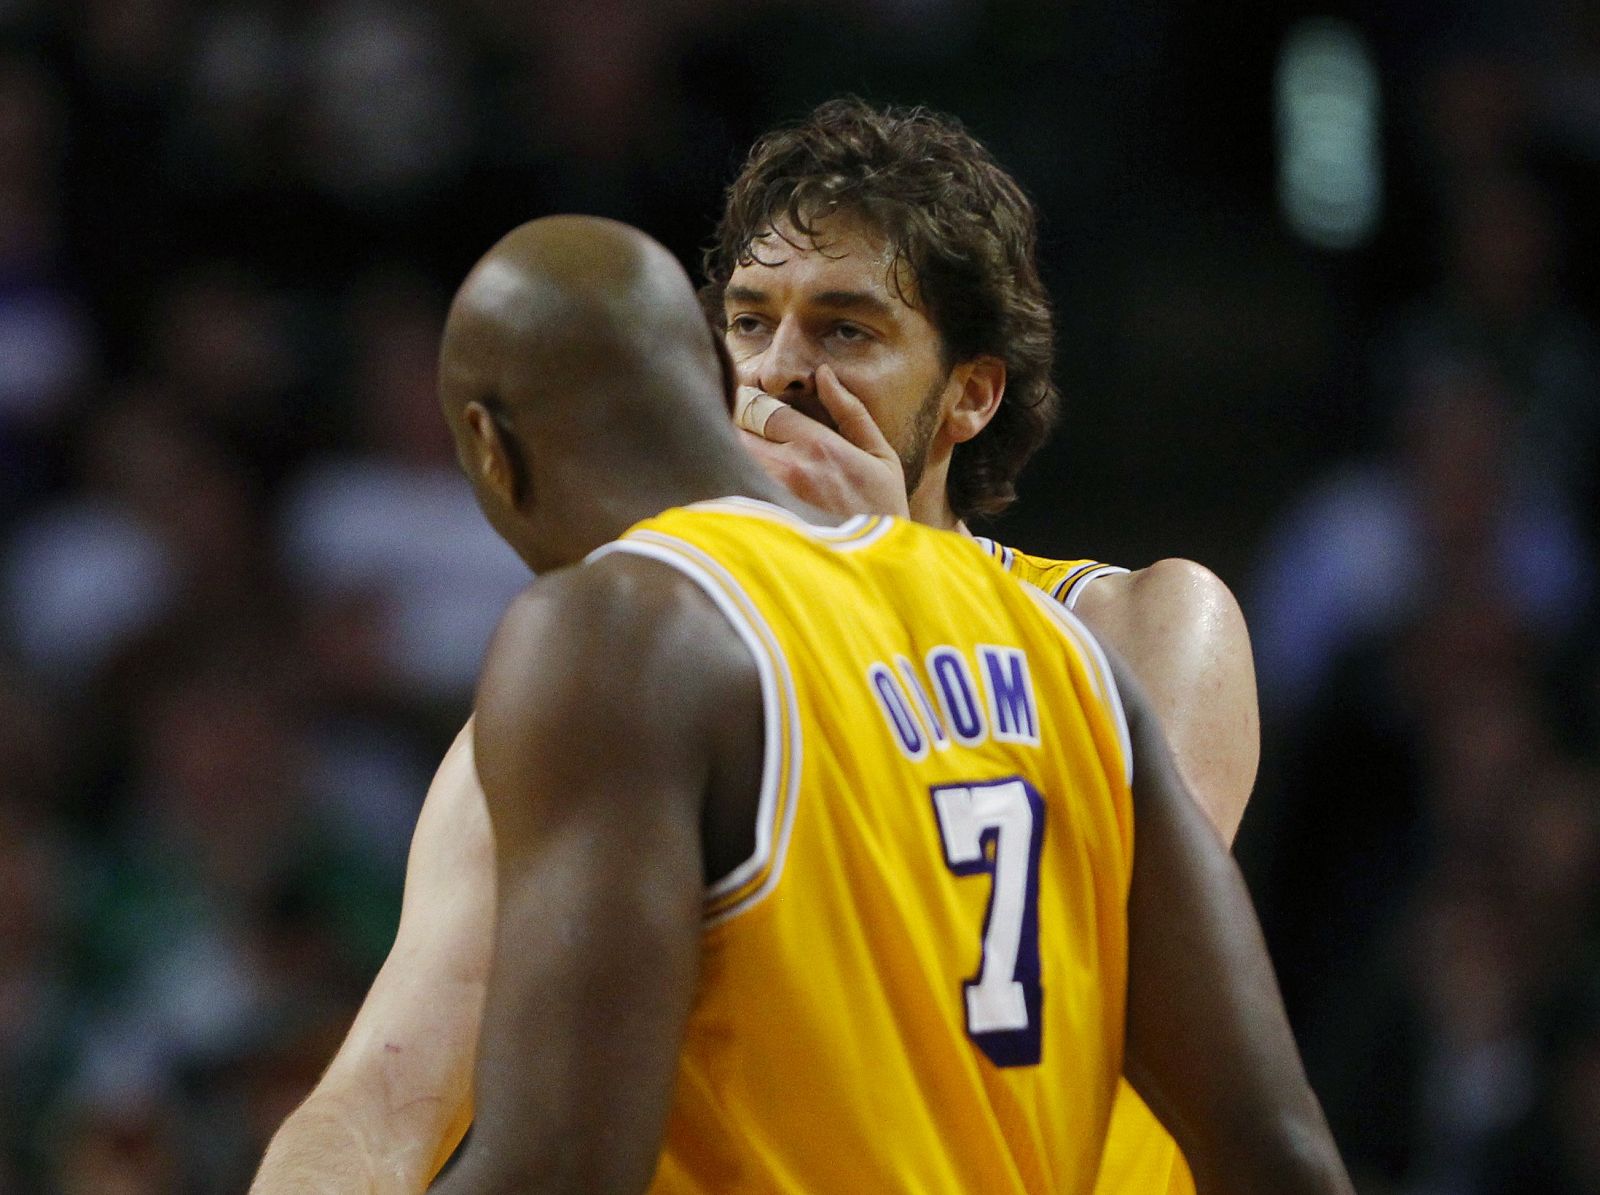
x,y
981,384
489,456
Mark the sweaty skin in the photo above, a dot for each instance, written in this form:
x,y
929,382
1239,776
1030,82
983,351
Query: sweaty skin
x,y
1176,625
576,328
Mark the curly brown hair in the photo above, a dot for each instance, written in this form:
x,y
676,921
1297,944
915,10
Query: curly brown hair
x,y
955,219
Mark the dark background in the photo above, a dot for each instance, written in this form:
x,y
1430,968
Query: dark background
x,y
243,590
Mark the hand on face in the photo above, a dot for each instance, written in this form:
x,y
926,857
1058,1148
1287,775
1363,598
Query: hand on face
x,y
846,472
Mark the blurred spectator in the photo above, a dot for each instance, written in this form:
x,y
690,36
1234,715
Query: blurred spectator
x,y
419,137
396,531
125,1142
1477,112
1556,1149
223,888
45,346
1476,1066
223,348
38,878
1494,484
1427,1043
232,134
163,518
1501,310
1571,89
1448,513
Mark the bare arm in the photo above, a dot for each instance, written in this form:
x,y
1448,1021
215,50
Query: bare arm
x,y
1208,1044
1180,631
594,733
397,1097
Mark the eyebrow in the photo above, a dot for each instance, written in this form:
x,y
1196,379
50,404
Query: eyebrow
x,y
837,300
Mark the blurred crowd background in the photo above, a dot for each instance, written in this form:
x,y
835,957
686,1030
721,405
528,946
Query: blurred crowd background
x,y
1327,288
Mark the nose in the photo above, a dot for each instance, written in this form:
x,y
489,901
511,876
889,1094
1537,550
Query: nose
x,y
787,368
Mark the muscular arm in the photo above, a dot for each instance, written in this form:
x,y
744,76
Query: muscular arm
x,y
595,724
396,1098
1180,631
1208,1045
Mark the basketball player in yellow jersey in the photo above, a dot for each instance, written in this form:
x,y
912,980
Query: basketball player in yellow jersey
x,y
818,869
937,386
1139,1154
874,271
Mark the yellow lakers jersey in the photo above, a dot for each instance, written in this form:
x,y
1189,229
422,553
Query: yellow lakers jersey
x,y
916,981
1141,1158
1063,580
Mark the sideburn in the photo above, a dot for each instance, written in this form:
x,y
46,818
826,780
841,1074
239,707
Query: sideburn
x,y
914,456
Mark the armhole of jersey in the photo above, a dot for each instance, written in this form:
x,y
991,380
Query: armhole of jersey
x,y
751,881
1070,588
1082,638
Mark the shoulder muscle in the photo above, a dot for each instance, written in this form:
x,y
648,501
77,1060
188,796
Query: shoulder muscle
x,y
618,667
1181,632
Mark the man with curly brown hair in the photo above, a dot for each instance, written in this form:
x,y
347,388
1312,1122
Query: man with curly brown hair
x,y
875,270
913,219
874,275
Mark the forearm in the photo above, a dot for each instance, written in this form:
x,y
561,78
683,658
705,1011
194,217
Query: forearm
x,y
397,1098
325,1149
372,1128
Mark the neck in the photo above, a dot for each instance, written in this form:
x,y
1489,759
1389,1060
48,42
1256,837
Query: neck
x,y
930,502
611,496
680,483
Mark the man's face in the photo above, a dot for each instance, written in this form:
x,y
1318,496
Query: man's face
x,y
833,301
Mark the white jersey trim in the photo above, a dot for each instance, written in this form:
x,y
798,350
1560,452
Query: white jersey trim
x,y
1100,676
778,701
996,551
1075,591
849,531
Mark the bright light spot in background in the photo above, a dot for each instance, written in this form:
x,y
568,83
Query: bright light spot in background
x,y
1330,172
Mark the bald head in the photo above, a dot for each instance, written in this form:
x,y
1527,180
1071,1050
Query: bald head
x,y
579,375
568,310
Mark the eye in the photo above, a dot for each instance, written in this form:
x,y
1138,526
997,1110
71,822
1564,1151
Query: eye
x,y
744,325
851,333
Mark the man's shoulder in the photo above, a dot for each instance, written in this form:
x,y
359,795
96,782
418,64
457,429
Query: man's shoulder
x,y
1179,630
1063,580
603,606
601,677
611,634
1172,590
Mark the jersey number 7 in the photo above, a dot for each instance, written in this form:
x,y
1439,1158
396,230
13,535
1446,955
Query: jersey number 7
x,y
996,828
